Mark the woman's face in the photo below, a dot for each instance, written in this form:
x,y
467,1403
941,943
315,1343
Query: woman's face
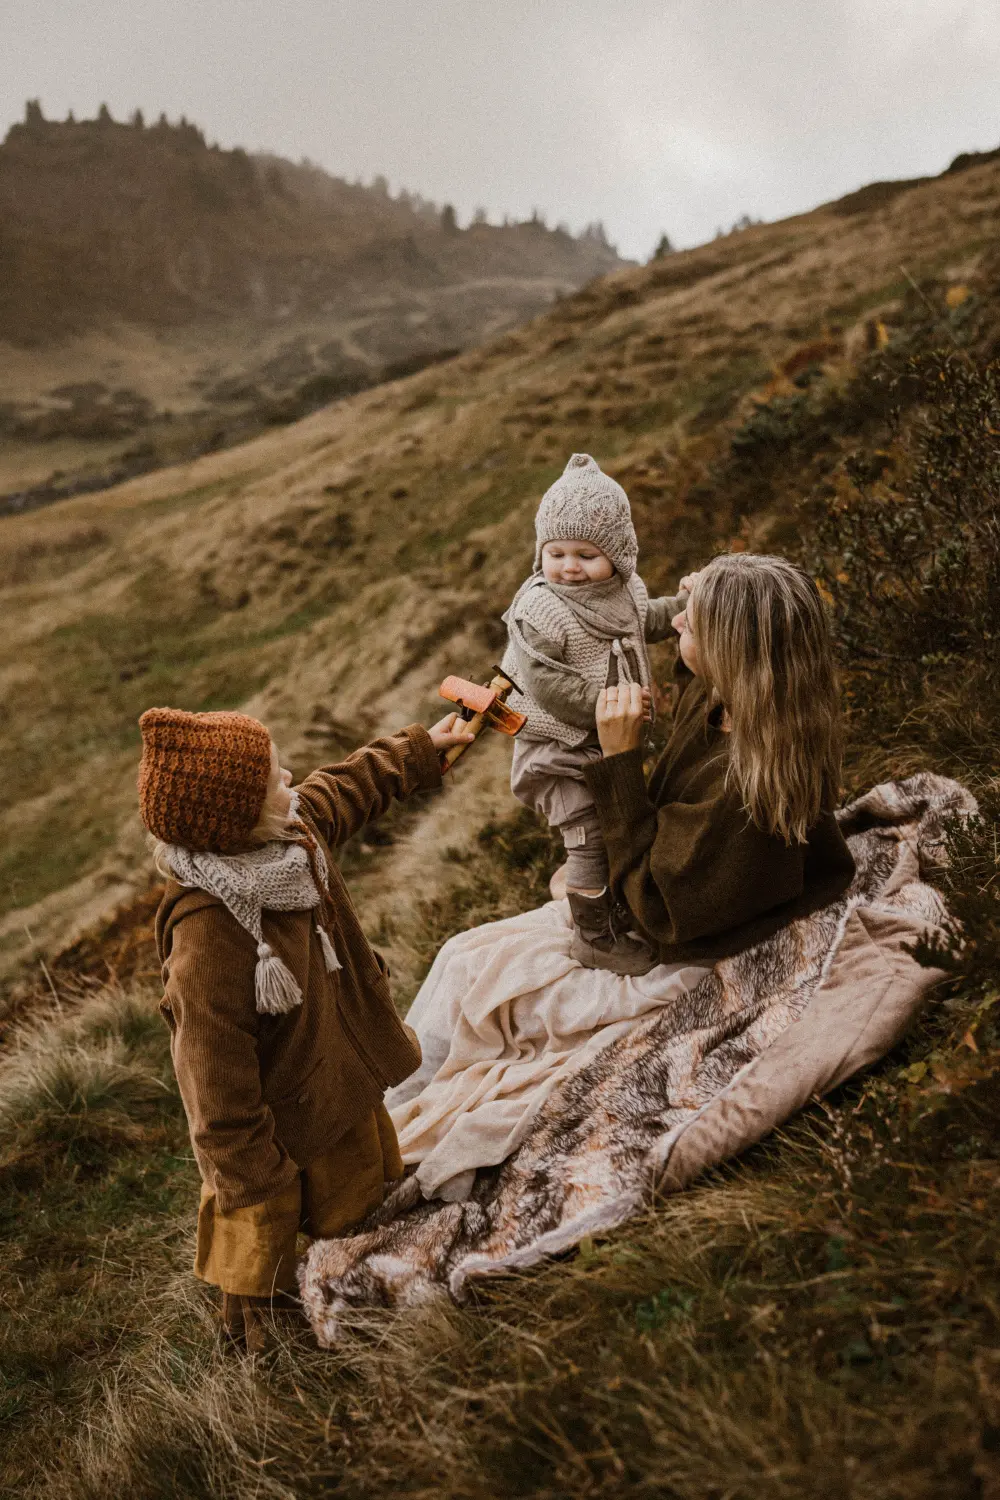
x,y
278,783
683,623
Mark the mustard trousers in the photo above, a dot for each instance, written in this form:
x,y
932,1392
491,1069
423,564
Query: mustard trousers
x,y
251,1252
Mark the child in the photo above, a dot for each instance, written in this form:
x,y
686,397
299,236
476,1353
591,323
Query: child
x,y
283,1033
579,623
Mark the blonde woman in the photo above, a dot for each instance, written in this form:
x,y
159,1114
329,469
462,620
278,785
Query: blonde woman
x,y
735,835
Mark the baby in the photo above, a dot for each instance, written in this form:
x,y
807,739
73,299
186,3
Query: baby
x,y
578,624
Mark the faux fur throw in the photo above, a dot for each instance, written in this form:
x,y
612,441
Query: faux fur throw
x,y
688,1083
275,877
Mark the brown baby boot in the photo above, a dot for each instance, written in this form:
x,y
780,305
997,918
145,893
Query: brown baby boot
x,y
596,945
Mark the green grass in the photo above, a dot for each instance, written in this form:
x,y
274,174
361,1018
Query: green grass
x,y
34,863
496,500
100,673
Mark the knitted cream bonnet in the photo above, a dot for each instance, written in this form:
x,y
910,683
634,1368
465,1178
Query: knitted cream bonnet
x,y
587,505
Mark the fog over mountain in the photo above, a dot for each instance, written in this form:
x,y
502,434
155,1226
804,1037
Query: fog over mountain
x,y
651,116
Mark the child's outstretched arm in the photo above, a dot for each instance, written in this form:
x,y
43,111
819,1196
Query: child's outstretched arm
x,y
661,612
342,798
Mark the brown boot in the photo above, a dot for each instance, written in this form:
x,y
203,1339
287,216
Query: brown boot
x,y
596,945
246,1322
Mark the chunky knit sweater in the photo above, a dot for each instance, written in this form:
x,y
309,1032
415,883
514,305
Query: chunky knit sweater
x,y
267,1094
561,665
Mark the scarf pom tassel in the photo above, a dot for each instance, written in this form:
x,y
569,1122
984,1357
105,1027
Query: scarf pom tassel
x,y
329,952
277,989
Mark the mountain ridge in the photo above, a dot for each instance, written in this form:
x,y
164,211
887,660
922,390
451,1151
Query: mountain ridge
x,y
103,221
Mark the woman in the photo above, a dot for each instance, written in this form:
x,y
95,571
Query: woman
x,y
735,835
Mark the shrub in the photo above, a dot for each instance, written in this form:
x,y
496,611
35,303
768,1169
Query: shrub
x,y
909,554
910,557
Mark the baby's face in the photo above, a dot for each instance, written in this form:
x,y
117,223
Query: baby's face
x,y
575,562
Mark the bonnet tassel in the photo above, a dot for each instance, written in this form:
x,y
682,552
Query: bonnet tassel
x,y
329,952
277,989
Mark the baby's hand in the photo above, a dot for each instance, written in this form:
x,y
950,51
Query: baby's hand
x,y
451,730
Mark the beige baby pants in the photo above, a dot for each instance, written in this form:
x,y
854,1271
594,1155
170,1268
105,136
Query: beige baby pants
x,y
548,777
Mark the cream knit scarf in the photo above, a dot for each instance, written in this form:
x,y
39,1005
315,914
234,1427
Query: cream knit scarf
x,y
276,877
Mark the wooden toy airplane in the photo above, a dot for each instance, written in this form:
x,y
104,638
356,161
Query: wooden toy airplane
x,y
482,708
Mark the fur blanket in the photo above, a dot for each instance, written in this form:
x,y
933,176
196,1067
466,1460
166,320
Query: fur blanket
x,y
681,1087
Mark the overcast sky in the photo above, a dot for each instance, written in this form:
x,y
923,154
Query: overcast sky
x,y
676,115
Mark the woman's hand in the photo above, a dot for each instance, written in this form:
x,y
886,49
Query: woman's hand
x,y
621,713
451,730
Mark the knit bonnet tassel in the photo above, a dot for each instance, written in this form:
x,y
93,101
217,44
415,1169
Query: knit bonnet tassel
x,y
329,952
277,989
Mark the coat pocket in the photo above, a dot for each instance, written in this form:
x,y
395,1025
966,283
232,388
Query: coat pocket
x,y
302,1090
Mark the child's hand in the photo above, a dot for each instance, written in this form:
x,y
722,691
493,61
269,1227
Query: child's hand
x,y
451,730
688,582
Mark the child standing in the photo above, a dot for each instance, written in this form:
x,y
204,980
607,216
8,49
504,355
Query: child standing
x,y
283,1032
578,624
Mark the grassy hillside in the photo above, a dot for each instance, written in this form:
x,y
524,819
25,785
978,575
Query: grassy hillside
x,y
819,1320
151,226
328,575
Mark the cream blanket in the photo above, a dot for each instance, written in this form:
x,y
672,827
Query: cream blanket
x,y
609,1091
503,1016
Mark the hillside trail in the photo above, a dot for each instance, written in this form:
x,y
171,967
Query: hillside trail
x,y
431,854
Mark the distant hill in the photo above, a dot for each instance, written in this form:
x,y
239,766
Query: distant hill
x,y
101,221
161,298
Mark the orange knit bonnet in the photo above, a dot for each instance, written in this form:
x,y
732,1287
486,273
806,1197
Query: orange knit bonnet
x,y
203,777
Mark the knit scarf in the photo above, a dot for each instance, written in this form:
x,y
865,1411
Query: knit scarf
x,y
607,609
279,876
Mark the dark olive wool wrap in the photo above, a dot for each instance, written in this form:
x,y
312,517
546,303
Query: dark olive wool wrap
x,y
701,880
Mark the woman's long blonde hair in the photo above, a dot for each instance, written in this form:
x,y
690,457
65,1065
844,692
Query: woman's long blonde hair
x,y
763,640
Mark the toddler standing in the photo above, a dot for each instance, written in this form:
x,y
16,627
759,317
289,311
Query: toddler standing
x,y
578,624
283,1032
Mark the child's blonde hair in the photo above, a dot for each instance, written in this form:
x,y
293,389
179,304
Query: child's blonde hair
x,y
764,644
274,823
